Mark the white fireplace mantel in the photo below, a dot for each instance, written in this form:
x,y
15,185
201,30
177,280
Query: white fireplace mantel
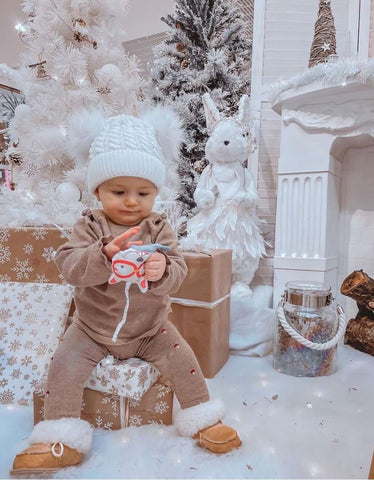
x,y
319,125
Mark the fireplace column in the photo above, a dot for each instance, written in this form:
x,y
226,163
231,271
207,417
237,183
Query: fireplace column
x,y
307,223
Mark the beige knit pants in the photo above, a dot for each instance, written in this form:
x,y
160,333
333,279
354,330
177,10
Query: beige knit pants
x,y
78,354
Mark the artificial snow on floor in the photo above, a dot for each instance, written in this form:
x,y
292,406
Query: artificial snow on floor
x,y
291,428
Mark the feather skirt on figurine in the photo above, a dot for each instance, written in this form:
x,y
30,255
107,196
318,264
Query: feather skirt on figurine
x,y
229,226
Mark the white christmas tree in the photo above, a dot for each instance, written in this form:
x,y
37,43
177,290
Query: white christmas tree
x,y
73,74
206,50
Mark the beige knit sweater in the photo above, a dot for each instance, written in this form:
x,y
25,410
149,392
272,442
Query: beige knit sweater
x,y
99,305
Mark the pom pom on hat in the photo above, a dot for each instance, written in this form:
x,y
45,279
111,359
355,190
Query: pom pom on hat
x,y
84,125
125,147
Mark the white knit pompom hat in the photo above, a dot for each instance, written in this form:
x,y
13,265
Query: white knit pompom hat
x,y
125,147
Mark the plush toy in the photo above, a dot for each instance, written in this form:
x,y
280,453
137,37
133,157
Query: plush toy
x,y
226,195
128,266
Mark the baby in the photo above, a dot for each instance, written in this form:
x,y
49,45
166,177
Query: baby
x,y
126,171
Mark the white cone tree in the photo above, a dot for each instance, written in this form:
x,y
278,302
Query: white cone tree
x,y
74,73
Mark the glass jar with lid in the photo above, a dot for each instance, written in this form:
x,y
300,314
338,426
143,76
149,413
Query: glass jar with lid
x,y
308,330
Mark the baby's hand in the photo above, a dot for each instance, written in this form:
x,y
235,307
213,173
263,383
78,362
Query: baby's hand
x,y
155,267
120,243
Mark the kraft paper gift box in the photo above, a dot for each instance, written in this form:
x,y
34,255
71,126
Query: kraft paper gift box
x,y
123,393
201,307
111,411
26,253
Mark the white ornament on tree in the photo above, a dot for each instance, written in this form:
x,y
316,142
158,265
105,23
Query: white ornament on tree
x,y
226,194
68,192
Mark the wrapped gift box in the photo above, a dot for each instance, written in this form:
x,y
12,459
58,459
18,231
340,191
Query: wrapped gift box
x,y
201,307
26,253
120,393
129,378
111,411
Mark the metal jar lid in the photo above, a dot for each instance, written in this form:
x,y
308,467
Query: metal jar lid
x,y
308,294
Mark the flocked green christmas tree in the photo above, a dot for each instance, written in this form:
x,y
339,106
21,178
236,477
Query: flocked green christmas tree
x,y
206,50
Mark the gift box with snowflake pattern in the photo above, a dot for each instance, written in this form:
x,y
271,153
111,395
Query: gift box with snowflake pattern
x,y
128,378
110,411
26,253
32,322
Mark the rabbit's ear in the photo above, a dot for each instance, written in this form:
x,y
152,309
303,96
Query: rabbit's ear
x,y
243,115
212,114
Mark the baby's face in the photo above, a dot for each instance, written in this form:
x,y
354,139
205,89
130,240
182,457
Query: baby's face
x,y
127,200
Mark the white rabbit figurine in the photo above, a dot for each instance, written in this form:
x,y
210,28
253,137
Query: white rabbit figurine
x,y
226,195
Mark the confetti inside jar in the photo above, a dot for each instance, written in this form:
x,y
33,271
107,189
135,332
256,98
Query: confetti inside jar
x,y
308,330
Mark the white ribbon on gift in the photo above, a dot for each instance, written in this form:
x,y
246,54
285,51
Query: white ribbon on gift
x,y
186,302
124,402
124,411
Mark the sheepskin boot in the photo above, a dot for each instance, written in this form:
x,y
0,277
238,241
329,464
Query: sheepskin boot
x,y
54,444
203,423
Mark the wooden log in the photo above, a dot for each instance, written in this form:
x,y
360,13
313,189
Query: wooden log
x,y
371,473
360,334
2,140
359,286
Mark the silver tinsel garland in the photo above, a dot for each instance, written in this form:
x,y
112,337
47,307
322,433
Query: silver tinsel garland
x,y
326,74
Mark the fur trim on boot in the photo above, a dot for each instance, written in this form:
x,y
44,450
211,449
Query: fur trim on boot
x,y
190,421
72,432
